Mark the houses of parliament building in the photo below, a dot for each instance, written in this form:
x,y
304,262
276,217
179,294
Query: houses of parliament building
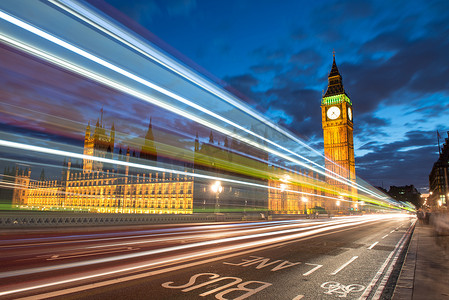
x,y
96,186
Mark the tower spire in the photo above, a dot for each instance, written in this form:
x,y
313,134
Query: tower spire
x,y
197,143
148,150
335,81
211,138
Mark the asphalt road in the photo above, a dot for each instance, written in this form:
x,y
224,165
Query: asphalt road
x,y
349,257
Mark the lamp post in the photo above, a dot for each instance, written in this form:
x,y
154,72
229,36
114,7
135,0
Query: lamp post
x,y
217,189
283,186
304,199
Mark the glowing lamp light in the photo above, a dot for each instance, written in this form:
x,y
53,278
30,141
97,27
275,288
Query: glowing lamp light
x,y
216,187
283,187
439,203
338,202
304,199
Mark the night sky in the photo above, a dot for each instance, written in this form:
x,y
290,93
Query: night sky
x,y
392,55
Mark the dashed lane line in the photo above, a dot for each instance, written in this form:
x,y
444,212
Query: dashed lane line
x,y
344,265
372,246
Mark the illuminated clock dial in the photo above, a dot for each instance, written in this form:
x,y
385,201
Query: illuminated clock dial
x,y
333,112
350,114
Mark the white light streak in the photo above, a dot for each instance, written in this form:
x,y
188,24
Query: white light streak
x,y
320,169
269,241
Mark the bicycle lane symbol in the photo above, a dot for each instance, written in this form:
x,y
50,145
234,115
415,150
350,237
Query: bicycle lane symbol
x,y
333,287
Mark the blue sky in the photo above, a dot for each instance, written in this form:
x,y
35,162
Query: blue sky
x,y
392,56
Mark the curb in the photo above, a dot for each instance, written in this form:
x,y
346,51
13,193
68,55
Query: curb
x,y
406,281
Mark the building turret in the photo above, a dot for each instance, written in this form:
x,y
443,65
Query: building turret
x,y
148,150
197,143
211,138
97,144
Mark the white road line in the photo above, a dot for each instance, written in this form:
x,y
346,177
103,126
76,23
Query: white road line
x,y
313,270
151,273
385,236
392,231
381,270
372,246
384,280
298,297
269,238
344,265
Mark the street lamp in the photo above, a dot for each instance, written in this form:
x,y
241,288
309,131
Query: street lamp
x,y
304,199
283,186
217,189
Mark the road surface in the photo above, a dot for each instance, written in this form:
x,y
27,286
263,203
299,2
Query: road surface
x,y
345,257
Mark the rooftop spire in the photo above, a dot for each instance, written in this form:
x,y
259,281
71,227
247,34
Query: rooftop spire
x,y
334,71
335,85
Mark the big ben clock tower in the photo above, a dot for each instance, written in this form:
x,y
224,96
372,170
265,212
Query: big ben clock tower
x,y
336,113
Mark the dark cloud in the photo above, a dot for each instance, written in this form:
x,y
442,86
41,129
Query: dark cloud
x,y
396,163
301,105
307,56
267,54
243,83
266,68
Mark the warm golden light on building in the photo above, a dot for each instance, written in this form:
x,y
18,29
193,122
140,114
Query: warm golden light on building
x,y
337,122
107,189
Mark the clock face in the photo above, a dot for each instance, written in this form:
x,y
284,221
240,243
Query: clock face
x,y
333,112
350,114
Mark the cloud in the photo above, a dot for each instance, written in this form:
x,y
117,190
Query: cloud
x,y
398,162
266,68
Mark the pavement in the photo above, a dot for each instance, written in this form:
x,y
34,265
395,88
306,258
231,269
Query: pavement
x,y
425,272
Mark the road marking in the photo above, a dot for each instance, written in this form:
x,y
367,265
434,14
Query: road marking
x,y
392,231
313,270
263,262
241,286
372,246
385,236
147,274
379,273
273,239
384,280
344,265
298,297
341,290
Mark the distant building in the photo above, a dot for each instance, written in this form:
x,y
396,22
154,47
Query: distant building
x,y
406,193
439,178
99,187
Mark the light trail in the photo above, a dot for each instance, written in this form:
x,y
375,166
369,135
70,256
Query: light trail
x,y
321,169
186,233
130,40
141,166
273,241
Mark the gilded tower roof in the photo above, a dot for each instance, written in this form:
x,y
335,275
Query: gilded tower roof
x,y
335,82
